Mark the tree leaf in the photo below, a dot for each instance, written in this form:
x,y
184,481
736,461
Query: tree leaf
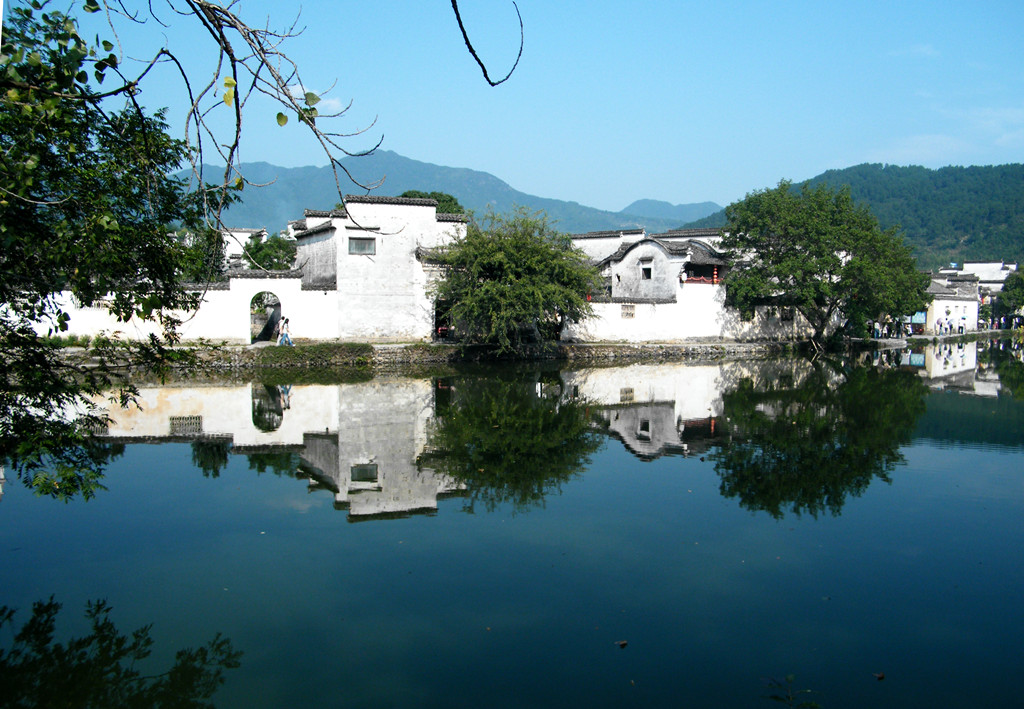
x,y
281,119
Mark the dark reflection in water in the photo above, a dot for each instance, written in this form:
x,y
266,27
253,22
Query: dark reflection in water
x,y
628,536
1006,357
508,440
805,449
100,669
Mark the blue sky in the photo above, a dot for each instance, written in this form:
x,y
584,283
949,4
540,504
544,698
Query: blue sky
x,y
615,101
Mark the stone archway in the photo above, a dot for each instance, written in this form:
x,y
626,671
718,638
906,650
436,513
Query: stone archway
x,y
264,314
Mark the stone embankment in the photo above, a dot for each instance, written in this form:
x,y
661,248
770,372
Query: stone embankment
x,y
324,355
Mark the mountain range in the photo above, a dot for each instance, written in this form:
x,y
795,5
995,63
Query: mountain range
x,y
286,192
952,214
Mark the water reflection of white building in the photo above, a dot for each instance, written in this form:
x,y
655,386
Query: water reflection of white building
x,y
359,441
671,408
947,365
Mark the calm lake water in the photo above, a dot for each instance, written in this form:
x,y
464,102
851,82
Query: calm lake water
x,y
649,535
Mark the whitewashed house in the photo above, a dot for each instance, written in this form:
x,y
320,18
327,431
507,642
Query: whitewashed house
x,y
955,299
359,275
668,287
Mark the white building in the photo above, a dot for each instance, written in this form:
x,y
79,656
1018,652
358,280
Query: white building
x,y
991,275
954,304
359,276
668,287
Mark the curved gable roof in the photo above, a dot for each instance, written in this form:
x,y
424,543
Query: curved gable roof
x,y
698,252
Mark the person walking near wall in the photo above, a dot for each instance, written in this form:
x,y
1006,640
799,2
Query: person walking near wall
x,y
285,338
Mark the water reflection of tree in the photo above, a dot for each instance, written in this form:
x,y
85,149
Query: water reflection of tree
x,y
509,441
98,669
57,458
806,449
211,455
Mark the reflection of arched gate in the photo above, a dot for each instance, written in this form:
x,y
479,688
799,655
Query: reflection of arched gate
x,y
267,407
264,314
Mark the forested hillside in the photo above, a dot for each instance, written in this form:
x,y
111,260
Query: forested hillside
x,y
951,214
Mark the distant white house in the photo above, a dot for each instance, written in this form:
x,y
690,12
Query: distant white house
x,y
954,303
991,275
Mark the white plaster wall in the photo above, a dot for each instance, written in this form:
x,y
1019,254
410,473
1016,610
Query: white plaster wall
x,y
627,281
385,296
698,313
599,248
223,316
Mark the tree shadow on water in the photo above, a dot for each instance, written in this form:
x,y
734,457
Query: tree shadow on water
x,y
805,449
99,669
509,440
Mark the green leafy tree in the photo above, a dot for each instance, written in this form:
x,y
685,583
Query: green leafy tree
x,y
815,250
85,203
513,279
446,203
99,669
1011,298
271,253
202,255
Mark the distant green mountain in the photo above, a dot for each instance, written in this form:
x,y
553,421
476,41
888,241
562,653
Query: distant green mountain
x,y
673,212
953,214
289,191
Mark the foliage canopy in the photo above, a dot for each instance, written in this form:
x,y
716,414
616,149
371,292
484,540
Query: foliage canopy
x,y
513,280
446,203
273,252
815,250
1011,297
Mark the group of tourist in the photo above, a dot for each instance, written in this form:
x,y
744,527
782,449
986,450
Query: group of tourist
x,y
883,330
950,326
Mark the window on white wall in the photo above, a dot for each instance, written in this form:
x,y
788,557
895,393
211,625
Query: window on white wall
x,y
361,245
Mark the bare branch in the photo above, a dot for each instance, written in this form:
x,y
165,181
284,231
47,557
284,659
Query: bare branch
x,y
472,51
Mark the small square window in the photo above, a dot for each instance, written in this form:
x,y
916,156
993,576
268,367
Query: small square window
x,y
628,310
366,246
364,473
645,273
